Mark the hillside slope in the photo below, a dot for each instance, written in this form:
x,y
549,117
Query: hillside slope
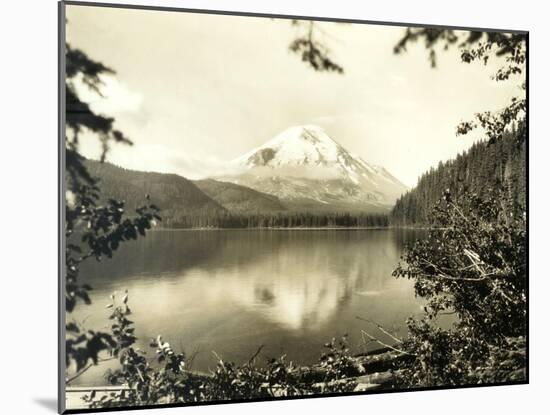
x,y
239,199
482,169
174,195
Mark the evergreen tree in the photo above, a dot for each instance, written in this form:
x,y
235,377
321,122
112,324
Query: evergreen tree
x,y
485,169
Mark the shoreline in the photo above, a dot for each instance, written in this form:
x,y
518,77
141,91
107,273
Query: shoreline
x,y
374,370
295,228
281,228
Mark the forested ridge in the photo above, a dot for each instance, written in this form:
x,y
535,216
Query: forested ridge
x,y
484,169
174,195
213,204
228,220
239,199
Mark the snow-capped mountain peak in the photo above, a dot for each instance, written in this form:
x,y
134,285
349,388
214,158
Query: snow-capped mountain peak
x,y
304,162
299,145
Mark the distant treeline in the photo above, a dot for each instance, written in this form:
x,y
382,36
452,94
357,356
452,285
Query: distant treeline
x,y
279,220
484,168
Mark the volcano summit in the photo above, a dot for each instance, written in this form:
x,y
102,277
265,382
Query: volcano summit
x,y
305,168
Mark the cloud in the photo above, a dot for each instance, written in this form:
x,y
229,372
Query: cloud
x,y
117,97
396,80
161,159
203,167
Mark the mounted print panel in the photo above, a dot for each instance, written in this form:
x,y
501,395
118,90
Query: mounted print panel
x,y
271,207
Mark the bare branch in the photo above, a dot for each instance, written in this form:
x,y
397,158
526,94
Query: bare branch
x,y
380,328
85,369
374,339
255,354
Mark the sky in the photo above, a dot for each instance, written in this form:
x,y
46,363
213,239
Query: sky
x,y
193,91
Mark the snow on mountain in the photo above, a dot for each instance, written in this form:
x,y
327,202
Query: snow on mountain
x,y
305,163
295,146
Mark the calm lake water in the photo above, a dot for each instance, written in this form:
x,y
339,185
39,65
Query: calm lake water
x,y
230,291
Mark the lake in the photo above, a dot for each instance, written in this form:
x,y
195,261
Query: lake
x,y
230,291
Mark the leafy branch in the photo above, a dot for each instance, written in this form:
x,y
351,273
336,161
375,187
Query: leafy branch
x,y
311,50
92,229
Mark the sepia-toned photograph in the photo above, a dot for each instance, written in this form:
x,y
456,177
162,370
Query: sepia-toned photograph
x,y
274,207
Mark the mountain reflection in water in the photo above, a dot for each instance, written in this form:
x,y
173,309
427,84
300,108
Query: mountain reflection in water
x,y
230,291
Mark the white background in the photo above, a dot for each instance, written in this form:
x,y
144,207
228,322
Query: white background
x,y
28,203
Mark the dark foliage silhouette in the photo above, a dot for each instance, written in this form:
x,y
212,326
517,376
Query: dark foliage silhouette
x,y
93,230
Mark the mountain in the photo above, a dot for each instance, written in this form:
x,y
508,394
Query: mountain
x,y
174,195
239,199
307,169
483,169
213,204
